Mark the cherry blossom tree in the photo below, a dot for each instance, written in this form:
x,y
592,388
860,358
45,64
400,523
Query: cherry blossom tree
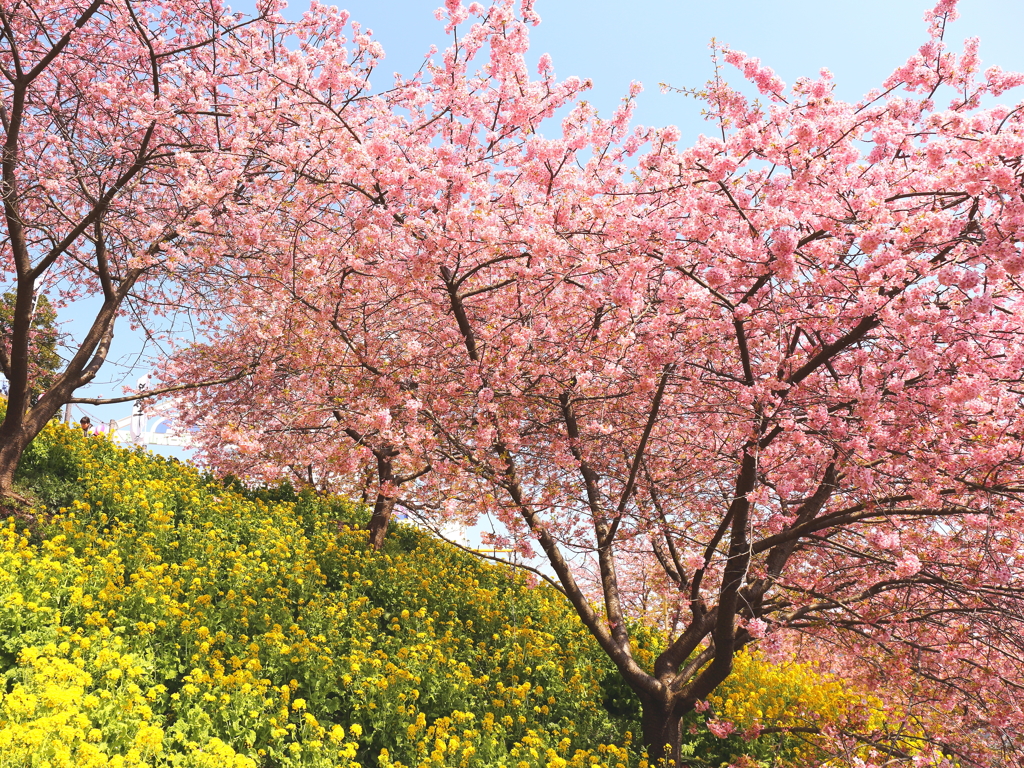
x,y
777,373
315,412
142,169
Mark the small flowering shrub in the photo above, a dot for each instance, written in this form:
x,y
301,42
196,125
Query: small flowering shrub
x,y
160,619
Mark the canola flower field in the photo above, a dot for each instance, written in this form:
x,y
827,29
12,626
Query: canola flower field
x,y
157,617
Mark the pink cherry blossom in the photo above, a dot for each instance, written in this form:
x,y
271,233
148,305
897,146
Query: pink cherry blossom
x,y
768,380
143,170
721,728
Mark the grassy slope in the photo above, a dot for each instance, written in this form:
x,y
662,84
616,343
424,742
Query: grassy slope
x,y
190,619
162,618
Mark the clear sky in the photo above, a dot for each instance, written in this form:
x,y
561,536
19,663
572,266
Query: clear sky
x,y
653,41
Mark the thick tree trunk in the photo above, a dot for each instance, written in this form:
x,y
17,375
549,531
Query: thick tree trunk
x,y
662,733
8,464
384,506
14,439
382,511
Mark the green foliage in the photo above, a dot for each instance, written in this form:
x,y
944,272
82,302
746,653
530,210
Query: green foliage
x,y
283,492
618,698
49,468
44,358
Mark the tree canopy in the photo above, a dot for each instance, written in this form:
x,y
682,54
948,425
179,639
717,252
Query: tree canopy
x,y
769,383
142,153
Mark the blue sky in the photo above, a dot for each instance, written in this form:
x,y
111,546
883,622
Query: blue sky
x,y
654,41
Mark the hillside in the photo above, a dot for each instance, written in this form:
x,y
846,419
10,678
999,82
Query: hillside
x,y
153,616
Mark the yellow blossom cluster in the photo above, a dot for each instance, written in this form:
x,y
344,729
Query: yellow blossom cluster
x,y
162,619
804,709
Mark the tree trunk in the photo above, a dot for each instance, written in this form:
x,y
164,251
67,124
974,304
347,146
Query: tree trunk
x,y
380,518
8,463
662,734
384,505
14,439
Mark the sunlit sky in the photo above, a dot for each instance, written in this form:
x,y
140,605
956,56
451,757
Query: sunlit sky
x,y
655,41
